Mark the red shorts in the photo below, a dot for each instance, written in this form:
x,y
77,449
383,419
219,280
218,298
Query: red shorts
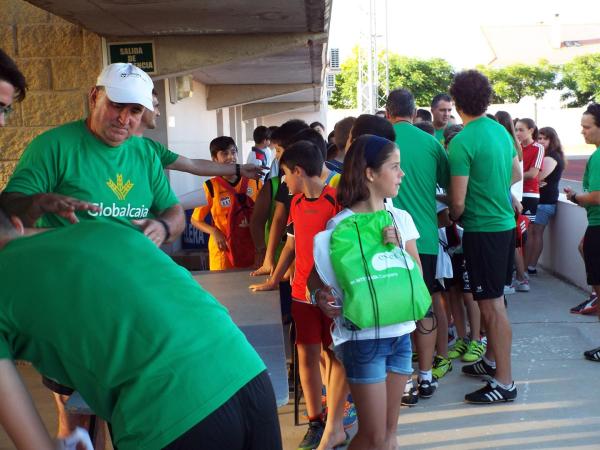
x,y
312,326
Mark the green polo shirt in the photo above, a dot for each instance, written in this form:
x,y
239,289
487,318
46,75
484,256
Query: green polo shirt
x,y
484,151
425,166
591,182
439,135
127,182
97,307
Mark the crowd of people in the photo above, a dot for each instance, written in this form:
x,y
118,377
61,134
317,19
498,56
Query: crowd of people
x,y
393,241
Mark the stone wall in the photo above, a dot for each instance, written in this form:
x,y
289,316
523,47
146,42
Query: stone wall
x,y
60,61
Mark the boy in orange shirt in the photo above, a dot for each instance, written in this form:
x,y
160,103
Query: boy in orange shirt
x,y
219,193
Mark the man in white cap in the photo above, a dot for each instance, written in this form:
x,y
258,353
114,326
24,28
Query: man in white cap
x,y
93,169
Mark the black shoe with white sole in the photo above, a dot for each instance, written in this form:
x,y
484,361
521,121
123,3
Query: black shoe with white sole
x,y
479,369
593,355
492,393
427,388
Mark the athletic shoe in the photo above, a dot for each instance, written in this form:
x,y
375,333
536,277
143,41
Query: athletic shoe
x,y
509,290
479,369
313,435
411,394
593,355
492,392
588,302
441,366
459,348
531,270
427,388
350,416
474,352
521,286
591,307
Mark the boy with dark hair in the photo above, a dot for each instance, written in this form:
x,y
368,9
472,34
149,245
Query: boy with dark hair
x,y
312,206
221,194
483,166
260,154
148,349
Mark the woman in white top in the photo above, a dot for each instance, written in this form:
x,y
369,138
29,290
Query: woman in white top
x,y
377,361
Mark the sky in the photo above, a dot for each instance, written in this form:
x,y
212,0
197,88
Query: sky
x,y
447,29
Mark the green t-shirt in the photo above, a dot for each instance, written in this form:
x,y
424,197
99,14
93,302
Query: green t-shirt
x,y
127,181
484,152
591,182
425,166
166,156
97,307
439,135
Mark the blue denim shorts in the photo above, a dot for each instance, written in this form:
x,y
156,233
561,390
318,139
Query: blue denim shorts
x,y
544,213
368,361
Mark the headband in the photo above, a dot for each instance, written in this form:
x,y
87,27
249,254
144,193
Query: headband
x,y
373,147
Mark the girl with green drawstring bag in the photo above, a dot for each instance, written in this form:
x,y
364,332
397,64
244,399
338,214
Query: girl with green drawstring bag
x,y
368,261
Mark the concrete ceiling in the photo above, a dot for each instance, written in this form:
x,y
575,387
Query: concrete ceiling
x,y
159,18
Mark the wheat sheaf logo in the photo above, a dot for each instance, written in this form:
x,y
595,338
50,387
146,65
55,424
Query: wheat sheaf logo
x,y
119,188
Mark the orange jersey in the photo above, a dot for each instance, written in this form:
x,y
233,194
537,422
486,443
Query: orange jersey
x,y
218,203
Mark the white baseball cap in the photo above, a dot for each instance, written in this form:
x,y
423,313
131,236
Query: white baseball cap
x,y
126,83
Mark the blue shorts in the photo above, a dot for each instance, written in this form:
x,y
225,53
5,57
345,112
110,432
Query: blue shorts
x,y
544,213
368,361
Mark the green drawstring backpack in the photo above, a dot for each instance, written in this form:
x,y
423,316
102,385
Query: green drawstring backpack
x,y
382,283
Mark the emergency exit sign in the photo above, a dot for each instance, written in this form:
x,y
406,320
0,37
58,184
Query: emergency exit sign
x,y
140,54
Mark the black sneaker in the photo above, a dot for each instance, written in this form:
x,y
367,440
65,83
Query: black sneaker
x,y
313,436
479,369
410,397
492,393
427,388
586,305
593,355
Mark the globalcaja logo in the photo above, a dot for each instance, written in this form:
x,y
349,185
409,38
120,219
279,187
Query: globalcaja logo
x,y
119,188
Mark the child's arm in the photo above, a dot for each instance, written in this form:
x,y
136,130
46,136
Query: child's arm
x,y
18,415
280,217
260,215
411,249
286,258
198,221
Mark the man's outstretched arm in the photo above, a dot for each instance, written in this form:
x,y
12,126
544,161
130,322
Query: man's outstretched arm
x,y
206,168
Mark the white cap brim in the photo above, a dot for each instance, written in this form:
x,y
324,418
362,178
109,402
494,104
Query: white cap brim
x,y
120,95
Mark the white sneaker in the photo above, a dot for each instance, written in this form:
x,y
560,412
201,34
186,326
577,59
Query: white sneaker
x,y
522,286
509,290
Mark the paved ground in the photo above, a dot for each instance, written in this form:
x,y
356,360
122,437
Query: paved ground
x,y
559,395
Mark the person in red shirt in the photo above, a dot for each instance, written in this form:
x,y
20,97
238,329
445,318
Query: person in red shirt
x,y
313,204
533,157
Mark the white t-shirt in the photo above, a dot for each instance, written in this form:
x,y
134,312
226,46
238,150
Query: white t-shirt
x,y
252,159
339,333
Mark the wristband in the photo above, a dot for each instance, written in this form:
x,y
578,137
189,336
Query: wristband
x,y
166,227
238,170
574,198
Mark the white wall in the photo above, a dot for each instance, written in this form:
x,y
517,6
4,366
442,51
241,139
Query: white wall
x,y
190,127
561,239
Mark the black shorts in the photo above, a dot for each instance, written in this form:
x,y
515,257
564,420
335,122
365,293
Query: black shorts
x,y
530,207
56,387
429,264
591,254
460,278
489,258
247,421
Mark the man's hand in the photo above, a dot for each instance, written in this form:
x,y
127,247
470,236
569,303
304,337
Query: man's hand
x,y
152,229
251,171
60,205
570,193
392,236
268,285
325,301
516,204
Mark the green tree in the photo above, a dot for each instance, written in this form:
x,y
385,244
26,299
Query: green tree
x,y
511,83
581,80
424,78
